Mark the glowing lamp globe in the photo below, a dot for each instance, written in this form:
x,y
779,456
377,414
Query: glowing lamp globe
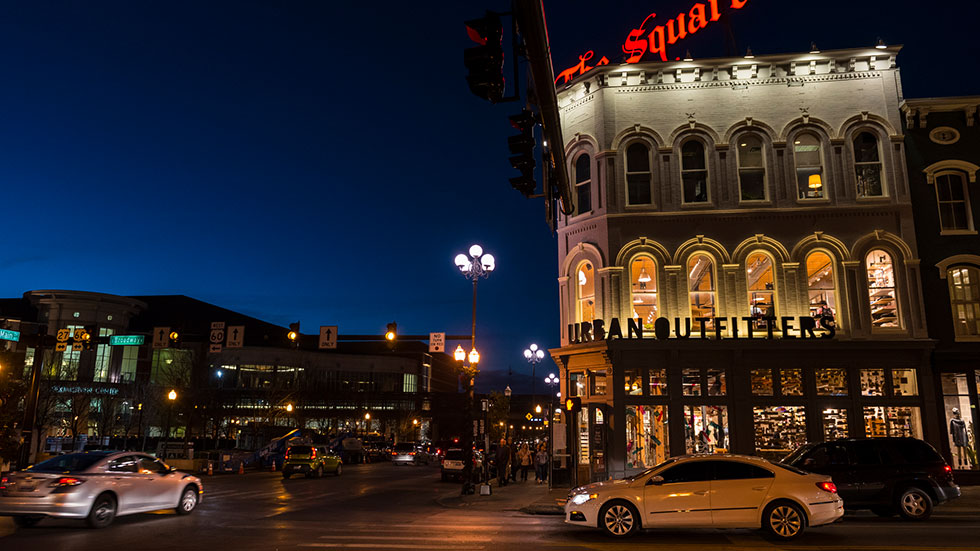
x,y
459,354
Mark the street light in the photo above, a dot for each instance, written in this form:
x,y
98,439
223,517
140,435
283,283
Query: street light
x,y
172,396
551,380
533,355
289,408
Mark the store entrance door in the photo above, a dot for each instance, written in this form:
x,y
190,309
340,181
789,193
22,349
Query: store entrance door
x,y
598,444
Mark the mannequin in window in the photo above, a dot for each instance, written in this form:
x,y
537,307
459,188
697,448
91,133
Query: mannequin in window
x,y
957,430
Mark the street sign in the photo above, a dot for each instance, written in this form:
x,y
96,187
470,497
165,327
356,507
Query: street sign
x,y
126,340
60,347
214,348
529,417
437,342
161,337
328,337
9,335
79,335
76,346
217,325
63,335
236,335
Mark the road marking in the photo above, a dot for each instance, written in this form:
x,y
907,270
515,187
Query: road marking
x,y
388,546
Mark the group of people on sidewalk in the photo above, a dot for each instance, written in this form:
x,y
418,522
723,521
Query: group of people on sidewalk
x,y
509,460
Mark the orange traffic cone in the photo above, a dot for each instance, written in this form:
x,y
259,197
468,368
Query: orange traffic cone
x,y
272,467
210,468
241,468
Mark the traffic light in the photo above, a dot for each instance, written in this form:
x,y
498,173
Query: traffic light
x,y
391,334
88,337
573,404
486,61
522,147
293,334
174,339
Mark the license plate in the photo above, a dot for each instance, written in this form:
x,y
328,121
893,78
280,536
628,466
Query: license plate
x,y
26,486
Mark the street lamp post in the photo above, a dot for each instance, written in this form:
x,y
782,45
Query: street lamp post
x,y
172,396
533,355
552,382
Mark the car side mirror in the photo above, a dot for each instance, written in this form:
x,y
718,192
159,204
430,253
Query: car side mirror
x,y
655,481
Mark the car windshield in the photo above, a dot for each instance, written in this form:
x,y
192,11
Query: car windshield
x,y
790,468
650,470
454,455
68,463
300,450
405,447
795,456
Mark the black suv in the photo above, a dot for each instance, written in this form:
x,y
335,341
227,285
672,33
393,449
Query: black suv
x,y
887,475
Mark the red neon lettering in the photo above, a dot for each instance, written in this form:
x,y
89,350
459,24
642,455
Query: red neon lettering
x,y
715,15
672,36
581,68
698,20
636,46
657,45
739,4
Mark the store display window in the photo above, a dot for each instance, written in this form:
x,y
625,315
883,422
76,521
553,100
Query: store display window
x,y
701,285
831,381
633,382
821,286
899,421
779,430
691,381
881,290
904,382
576,384
598,383
834,424
964,297
646,436
959,419
761,286
716,382
658,381
872,382
643,289
706,429
791,381
586,292
583,436
762,381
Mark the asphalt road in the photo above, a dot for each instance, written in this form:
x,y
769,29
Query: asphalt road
x,y
382,507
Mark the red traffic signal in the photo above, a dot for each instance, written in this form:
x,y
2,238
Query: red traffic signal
x,y
486,61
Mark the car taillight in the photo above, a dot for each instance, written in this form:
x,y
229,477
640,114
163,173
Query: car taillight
x,y
947,468
827,487
411,453
313,455
394,453
287,455
67,481
3,483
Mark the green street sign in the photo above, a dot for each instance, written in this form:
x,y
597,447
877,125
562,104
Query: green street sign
x,y
126,340
8,335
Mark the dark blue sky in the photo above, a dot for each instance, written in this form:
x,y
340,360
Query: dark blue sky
x,y
325,161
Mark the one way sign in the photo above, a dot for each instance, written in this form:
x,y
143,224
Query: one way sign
x,y
328,337
161,337
235,335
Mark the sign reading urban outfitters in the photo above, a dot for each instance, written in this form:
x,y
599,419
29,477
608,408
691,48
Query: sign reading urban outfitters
x,y
771,327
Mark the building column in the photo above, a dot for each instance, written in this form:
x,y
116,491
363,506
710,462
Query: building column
x,y
793,300
858,308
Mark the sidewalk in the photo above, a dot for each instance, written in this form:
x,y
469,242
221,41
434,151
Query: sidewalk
x,y
526,497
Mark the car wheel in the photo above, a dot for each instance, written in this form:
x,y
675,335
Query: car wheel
x,y
286,475
884,512
784,520
340,469
619,519
188,501
27,521
319,472
103,511
914,504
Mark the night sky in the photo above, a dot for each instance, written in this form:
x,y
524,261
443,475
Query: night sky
x,y
325,161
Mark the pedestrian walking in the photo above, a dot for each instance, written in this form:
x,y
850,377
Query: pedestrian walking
x,y
503,462
541,465
525,459
513,460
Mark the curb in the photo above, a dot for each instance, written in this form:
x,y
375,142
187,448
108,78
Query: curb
x,y
542,510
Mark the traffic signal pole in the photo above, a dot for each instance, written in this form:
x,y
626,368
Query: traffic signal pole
x,y
30,410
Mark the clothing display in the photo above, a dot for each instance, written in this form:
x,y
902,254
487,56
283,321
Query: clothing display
x,y
957,429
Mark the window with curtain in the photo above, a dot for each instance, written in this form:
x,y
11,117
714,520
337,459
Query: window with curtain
x,y
809,166
954,204
821,286
881,290
762,289
751,168
638,174
583,184
867,166
701,286
964,298
643,290
694,172
585,284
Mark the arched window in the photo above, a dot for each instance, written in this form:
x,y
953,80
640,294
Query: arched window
x,y
585,293
583,184
809,166
821,285
762,289
638,175
751,168
643,290
694,172
954,202
964,297
701,286
867,166
881,289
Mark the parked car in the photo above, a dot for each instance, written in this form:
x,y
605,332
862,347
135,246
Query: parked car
x,y
721,491
407,453
97,487
887,475
311,461
452,464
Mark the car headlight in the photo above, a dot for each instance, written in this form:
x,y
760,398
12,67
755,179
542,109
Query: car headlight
x,y
582,498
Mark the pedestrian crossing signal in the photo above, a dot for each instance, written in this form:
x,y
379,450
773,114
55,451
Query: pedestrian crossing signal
x,y
573,404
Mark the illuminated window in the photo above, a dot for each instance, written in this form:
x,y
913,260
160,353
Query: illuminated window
x,y
583,184
900,422
954,206
821,286
638,175
964,297
694,172
761,380
791,381
410,383
701,286
809,166
127,373
881,289
643,290
705,429
658,382
646,436
103,356
867,166
831,381
751,168
761,286
585,283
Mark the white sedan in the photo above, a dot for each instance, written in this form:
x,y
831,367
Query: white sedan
x,y
718,491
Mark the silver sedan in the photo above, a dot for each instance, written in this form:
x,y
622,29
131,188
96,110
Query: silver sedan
x,y
97,487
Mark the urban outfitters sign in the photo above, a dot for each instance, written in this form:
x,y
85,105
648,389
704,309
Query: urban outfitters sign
x,y
803,327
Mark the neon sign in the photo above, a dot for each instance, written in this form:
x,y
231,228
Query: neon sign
x,y
655,40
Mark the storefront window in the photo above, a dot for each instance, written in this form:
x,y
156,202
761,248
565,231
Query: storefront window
x,y
779,430
834,424
809,166
791,381
586,292
646,436
643,274
583,436
706,429
658,382
872,382
633,382
899,421
701,284
959,419
881,289
598,383
716,382
762,381
904,383
761,286
576,384
964,297
691,380
831,381
820,282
